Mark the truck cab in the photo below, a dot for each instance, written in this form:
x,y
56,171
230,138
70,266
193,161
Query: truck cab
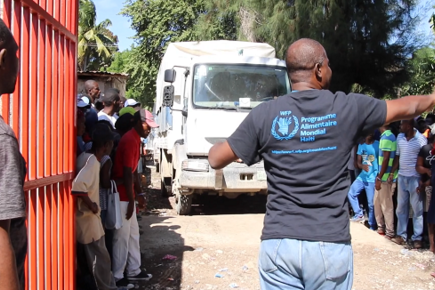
x,y
201,100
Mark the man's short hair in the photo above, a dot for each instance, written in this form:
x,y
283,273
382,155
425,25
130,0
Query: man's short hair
x,y
110,97
303,55
5,34
90,84
101,136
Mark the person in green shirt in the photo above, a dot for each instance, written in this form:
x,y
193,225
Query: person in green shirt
x,y
383,201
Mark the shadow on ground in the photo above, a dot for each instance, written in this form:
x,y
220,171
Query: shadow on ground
x,y
216,205
162,252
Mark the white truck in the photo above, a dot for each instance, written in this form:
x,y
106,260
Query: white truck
x,y
204,91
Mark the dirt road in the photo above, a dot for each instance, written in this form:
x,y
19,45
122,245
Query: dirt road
x,y
217,247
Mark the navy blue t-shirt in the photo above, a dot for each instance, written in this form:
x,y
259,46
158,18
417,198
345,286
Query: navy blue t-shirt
x,y
305,139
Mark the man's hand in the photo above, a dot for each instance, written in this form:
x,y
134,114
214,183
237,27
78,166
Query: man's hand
x,y
94,208
421,187
390,178
365,167
130,210
378,185
142,202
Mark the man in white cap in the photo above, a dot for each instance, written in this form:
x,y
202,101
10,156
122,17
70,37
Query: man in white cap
x,y
132,103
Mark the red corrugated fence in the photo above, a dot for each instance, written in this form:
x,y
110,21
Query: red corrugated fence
x,y
42,113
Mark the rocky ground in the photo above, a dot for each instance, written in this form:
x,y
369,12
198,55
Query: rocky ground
x,y
217,246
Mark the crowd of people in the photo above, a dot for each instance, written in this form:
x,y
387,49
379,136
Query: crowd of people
x,y
394,170
110,131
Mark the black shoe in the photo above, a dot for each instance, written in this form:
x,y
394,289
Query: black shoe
x,y
142,276
124,283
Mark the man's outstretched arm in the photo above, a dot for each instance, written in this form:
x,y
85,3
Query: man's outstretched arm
x,y
408,107
221,155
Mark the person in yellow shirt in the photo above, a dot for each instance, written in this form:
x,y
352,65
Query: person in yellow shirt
x,y
89,229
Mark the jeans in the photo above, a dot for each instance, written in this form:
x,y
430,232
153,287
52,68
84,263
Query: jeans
x,y
407,192
294,264
355,189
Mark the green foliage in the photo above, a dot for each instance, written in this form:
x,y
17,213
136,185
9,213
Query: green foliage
x,y
120,62
368,42
157,22
422,69
97,43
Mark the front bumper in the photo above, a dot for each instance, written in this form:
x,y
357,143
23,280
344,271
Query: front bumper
x,y
236,177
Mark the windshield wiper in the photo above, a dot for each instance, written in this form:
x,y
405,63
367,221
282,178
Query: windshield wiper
x,y
226,108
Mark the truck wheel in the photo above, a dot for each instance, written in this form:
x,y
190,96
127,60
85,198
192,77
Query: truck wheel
x,y
184,204
164,189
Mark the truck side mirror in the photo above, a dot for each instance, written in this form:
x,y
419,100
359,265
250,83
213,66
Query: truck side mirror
x,y
168,96
170,75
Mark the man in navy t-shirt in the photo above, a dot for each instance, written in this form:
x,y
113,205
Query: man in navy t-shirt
x,y
306,237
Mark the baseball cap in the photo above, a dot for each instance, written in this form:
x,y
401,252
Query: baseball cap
x,y
81,103
125,122
86,100
147,117
125,110
131,103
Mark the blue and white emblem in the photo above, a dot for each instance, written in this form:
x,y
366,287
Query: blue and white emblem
x,y
282,124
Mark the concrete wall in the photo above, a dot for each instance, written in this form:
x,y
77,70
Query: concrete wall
x,y
105,82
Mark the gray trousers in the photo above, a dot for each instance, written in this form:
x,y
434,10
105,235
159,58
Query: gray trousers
x,y
98,260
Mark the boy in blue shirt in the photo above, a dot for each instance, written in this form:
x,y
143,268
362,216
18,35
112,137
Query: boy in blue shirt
x,y
368,153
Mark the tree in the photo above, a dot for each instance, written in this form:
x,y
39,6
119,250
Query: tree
x,y
120,62
96,42
422,70
157,22
368,42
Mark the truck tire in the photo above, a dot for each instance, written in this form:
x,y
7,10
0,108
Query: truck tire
x,y
184,204
164,189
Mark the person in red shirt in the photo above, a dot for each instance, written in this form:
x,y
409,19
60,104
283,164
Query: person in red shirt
x,y
126,250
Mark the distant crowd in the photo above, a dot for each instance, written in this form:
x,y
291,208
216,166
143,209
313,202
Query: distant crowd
x,y
394,167
110,134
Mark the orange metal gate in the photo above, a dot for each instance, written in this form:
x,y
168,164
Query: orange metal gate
x,y
42,113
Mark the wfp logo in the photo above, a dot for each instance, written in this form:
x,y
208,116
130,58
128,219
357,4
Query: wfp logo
x,y
282,124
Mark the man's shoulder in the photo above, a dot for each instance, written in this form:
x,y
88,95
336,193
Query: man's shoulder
x,y
127,138
421,137
5,129
426,148
87,160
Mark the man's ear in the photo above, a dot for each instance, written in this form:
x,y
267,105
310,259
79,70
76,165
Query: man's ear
x,y
3,53
318,70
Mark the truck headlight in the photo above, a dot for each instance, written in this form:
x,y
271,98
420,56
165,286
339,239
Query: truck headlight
x,y
195,165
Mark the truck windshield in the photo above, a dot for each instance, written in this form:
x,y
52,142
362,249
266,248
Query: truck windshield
x,y
237,86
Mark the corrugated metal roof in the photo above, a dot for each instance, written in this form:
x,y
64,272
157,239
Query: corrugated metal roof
x,y
102,73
